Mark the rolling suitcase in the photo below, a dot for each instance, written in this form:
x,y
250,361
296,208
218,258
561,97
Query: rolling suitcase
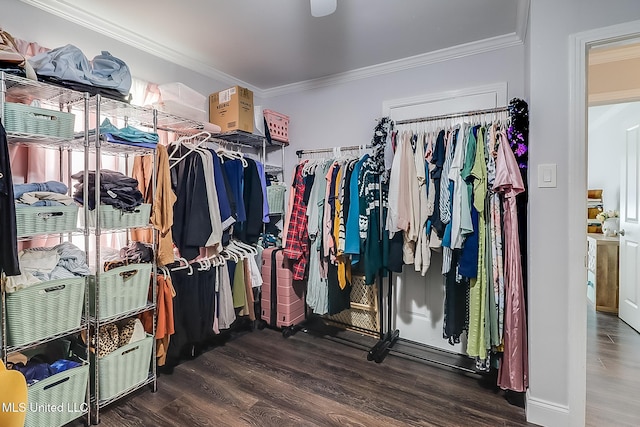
x,y
282,302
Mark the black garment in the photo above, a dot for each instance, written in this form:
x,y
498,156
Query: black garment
x,y
137,252
13,70
93,90
308,183
9,233
116,189
395,253
331,204
206,299
439,154
191,221
184,304
339,299
249,231
456,302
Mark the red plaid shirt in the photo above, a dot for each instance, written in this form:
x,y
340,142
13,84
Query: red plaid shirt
x,y
297,247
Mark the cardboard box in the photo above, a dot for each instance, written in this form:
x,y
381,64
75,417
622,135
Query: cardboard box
x,y
232,109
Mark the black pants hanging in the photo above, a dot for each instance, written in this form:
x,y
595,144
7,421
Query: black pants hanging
x,y
8,231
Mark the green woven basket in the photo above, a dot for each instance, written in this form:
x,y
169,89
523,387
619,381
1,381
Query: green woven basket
x,y
46,220
120,291
275,198
59,399
38,121
124,368
43,310
112,218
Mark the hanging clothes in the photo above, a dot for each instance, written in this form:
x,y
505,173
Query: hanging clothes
x,y
317,291
165,326
8,237
473,179
513,372
162,204
249,230
192,221
297,247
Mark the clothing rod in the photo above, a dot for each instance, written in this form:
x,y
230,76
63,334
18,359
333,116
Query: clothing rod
x,y
300,153
452,116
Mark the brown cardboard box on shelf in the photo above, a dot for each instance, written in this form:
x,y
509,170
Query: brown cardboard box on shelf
x,y
232,109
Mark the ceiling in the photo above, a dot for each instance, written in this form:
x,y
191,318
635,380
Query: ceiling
x,y
273,45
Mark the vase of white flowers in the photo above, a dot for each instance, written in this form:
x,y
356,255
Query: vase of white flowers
x,y
610,222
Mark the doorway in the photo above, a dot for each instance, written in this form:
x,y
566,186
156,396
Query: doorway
x,y
612,373
613,112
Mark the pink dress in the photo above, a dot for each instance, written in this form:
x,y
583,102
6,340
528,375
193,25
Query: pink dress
x,y
513,372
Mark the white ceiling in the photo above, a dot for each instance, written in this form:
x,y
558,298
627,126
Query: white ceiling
x,y
276,44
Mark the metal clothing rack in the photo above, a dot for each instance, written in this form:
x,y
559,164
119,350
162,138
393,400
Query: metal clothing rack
x,y
389,337
453,115
300,154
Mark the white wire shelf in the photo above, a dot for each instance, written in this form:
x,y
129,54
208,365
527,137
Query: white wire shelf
x,y
142,116
241,138
121,316
44,141
15,348
63,234
24,91
92,230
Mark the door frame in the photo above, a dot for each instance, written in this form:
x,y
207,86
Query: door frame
x,y
576,233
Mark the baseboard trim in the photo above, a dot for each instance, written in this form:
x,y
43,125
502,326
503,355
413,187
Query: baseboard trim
x,y
545,413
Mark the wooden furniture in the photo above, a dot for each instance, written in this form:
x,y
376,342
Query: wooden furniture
x,y
602,271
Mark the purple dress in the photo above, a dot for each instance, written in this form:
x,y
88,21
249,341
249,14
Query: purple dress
x,y
513,372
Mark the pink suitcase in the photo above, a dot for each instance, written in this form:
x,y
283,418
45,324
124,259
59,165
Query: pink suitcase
x,y
282,301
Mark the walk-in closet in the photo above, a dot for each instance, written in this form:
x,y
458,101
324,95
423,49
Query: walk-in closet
x,y
318,213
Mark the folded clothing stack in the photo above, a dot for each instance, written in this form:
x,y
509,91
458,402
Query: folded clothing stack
x,y
34,194
116,189
128,135
63,261
115,335
69,67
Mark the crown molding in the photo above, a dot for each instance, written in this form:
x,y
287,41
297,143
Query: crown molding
x,y
81,17
455,52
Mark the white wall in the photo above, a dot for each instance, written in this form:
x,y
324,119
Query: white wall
x,y
607,126
345,114
554,397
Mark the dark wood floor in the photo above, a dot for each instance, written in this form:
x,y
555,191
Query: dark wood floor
x,y
262,379
613,372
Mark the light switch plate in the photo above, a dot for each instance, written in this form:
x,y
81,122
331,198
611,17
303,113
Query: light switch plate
x,y
547,175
